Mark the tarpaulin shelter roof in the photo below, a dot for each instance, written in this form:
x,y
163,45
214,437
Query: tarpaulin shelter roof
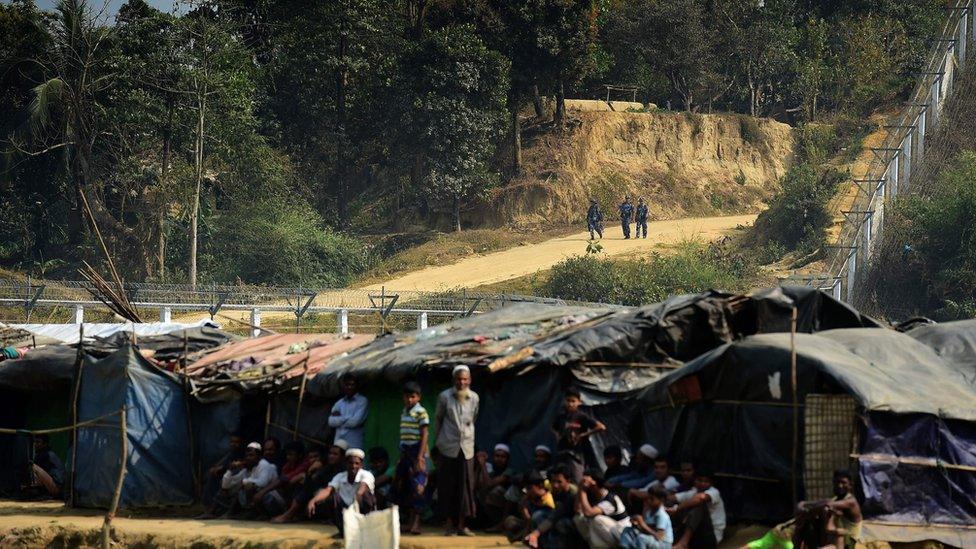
x,y
267,361
17,337
955,342
69,333
532,335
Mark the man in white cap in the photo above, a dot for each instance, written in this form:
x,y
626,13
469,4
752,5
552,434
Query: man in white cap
x,y
353,485
641,474
457,410
260,473
494,480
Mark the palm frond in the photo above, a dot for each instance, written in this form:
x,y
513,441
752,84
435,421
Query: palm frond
x,y
47,98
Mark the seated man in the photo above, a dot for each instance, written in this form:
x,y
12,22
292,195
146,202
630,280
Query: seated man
x,y
833,522
235,452
542,459
641,473
652,528
47,471
613,458
273,453
535,507
320,472
492,482
379,466
276,496
558,530
686,476
601,515
354,485
699,517
260,473
662,479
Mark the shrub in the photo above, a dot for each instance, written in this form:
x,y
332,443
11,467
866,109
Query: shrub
x,y
798,217
693,267
282,243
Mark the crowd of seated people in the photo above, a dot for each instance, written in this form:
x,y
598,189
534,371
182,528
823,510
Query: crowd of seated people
x,y
557,501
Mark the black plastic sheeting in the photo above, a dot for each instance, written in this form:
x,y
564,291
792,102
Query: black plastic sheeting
x,y
954,341
159,471
169,346
668,333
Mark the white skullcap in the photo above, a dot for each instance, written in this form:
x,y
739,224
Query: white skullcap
x,y
254,446
341,444
543,448
356,452
503,447
460,368
649,451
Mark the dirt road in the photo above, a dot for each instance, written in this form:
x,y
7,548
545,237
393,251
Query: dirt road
x,y
524,260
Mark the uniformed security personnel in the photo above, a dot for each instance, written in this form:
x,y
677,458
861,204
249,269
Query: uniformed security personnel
x,y
626,212
640,216
594,219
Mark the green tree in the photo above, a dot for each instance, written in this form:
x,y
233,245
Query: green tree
x,y
458,89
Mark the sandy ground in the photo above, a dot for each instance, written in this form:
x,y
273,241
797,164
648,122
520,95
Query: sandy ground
x,y
51,525
513,263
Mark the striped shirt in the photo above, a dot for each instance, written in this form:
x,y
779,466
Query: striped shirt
x,y
410,423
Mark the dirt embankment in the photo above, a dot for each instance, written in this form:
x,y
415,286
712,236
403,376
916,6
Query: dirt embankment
x,y
685,165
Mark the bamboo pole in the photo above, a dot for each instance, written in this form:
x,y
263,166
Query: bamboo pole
x,y
301,396
267,417
79,363
796,407
114,506
189,419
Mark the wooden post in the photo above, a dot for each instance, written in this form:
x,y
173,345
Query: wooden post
x,y
301,396
79,363
796,405
114,506
189,419
267,417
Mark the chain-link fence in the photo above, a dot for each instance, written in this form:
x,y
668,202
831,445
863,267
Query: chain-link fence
x,y
897,164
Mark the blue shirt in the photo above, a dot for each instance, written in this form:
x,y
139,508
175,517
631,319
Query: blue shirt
x,y
348,423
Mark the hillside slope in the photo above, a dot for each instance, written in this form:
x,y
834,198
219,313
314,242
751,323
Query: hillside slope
x,y
685,165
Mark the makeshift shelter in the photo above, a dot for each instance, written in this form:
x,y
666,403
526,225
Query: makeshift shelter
x,y
258,384
37,392
70,333
524,355
878,401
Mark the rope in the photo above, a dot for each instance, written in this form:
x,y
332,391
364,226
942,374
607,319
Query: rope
x,y
85,423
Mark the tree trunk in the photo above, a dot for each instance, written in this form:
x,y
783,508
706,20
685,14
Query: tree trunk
x,y
457,213
161,205
195,207
516,140
560,105
537,102
342,185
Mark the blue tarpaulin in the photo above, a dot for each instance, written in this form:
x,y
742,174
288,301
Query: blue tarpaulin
x,y
159,472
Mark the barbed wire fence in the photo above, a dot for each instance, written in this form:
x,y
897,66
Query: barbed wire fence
x,y
898,166
293,309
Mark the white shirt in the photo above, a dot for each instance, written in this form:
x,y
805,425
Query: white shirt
x,y
232,481
348,424
347,492
261,475
669,484
716,508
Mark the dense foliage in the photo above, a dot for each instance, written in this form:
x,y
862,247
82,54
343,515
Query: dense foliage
x,y
693,267
932,267
186,132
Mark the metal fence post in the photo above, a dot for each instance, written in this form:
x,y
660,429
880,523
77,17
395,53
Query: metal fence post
x,y
79,316
165,314
906,162
343,324
255,322
422,321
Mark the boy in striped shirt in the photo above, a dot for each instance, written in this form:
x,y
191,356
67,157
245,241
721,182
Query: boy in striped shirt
x,y
411,471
